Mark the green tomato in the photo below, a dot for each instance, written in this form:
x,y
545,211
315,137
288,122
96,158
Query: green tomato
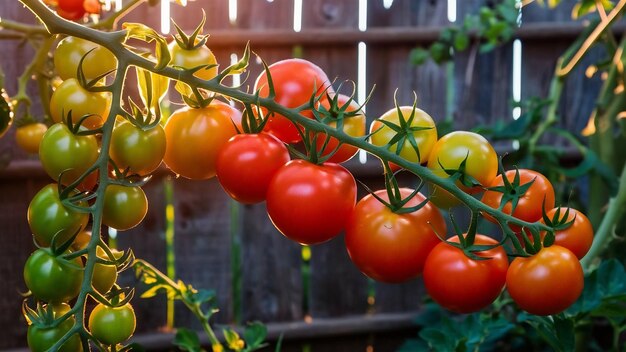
x,y
40,339
112,325
53,279
71,96
140,151
48,217
62,151
104,276
71,49
124,207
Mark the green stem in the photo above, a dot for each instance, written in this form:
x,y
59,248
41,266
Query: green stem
x,y
604,234
34,68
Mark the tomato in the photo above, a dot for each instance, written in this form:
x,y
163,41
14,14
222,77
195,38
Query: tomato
x,y
104,276
71,96
188,59
461,284
124,207
52,279
82,240
246,164
40,339
112,325
92,6
578,237
310,203
61,151
71,50
295,82
353,126
48,217
388,246
195,137
546,283
140,151
530,204
70,5
28,137
71,15
450,151
425,139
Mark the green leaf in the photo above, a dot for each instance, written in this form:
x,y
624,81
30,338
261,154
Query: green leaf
x,y
144,33
412,345
254,335
461,41
604,285
152,88
419,56
187,340
439,52
557,331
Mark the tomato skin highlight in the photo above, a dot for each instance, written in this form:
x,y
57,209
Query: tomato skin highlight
x,y
310,203
295,82
462,284
50,279
546,283
29,137
112,325
48,217
530,204
390,247
140,151
194,137
247,163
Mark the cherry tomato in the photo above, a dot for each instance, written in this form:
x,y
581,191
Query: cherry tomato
x,y
546,283
71,15
530,204
124,207
71,96
70,51
40,338
195,137
388,246
112,325
310,203
61,151
295,82
70,5
461,284
246,164
28,137
104,276
353,126
139,150
53,279
425,139
578,237
481,162
188,59
92,6
48,217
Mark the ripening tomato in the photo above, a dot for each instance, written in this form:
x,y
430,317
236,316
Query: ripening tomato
x,y
310,203
540,193
48,217
461,284
104,276
40,338
481,163
98,60
578,237
246,164
546,283
112,325
141,151
124,207
61,151
194,137
353,126
28,137
425,138
92,6
71,96
192,58
392,247
295,82
51,278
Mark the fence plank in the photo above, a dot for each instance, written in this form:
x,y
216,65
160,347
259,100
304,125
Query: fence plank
x,y
406,13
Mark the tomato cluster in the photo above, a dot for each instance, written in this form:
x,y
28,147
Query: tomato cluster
x,y
75,10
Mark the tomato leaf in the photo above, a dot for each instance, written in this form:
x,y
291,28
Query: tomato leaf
x,y
603,286
254,335
144,33
152,88
187,340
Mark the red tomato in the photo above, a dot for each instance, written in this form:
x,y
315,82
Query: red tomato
x,y
310,203
295,82
246,164
578,237
461,284
70,5
392,247
195,136
546,283
529,206
353,126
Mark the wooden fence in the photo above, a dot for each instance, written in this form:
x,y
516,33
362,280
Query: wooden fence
x,y
325,303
